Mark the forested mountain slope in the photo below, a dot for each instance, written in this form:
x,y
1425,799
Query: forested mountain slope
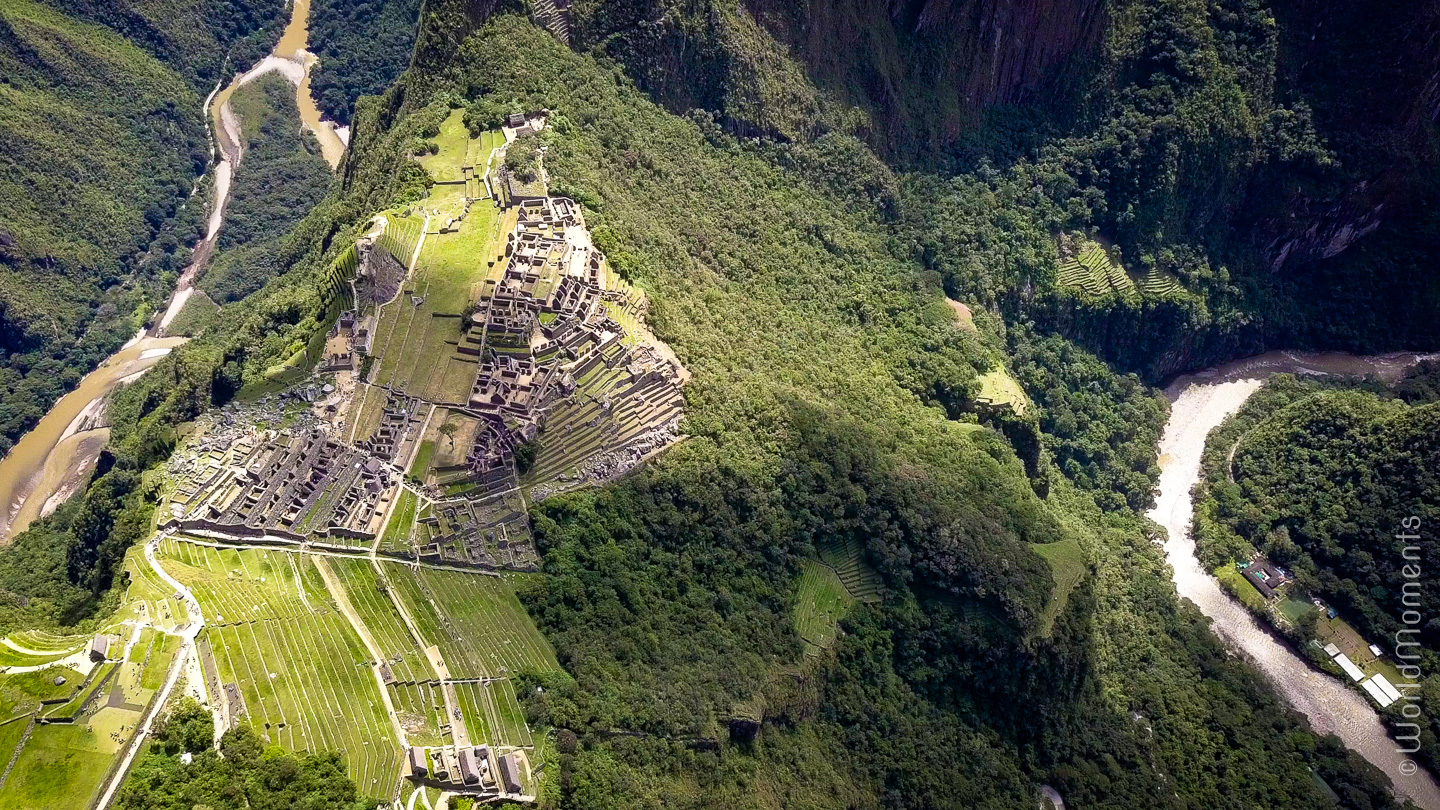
x,y
1276,159
363,47
284,177
204,40
1023,628
831,394
102,145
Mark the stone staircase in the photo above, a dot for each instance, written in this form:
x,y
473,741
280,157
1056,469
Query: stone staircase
x,y
553,16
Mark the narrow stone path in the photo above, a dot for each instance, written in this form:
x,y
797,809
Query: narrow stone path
x,y
177,667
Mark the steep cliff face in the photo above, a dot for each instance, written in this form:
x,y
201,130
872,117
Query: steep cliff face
x,y
927,69
1371,72
909,75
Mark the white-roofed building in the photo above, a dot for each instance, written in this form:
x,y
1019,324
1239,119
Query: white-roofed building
x,y
1386,687
1349,666
1377,693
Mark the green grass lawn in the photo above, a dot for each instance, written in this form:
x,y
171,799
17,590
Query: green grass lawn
x,y
1067,568
397,530
60,768
1236,583
822,601
454,141
1294,609
416,342
422,460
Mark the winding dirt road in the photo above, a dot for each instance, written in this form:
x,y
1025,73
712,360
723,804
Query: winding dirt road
x,y
1199,403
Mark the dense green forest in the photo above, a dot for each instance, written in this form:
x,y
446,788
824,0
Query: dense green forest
x,y
242,773
280,179
1330,482
199,39
363,47
1248,150
800,277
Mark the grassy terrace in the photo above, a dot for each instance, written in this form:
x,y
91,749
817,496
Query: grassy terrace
x,y
479,625
822,601
415,343
493,713
1067,568
397,530
369,594
860,580
304,674
41,641
422,710
59,768
998,387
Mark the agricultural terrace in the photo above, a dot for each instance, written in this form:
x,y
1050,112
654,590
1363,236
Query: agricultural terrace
x,y
1067,568
369,593
419,333
89,718
397,530
822,601
1089,268
92,713
301,672
997,387
147,597
845,558
480,627
492,713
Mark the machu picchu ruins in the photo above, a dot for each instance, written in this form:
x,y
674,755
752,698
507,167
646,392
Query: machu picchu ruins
x,y
481,356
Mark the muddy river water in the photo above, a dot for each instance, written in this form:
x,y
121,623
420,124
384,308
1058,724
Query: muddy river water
x,y
51,462
1199,403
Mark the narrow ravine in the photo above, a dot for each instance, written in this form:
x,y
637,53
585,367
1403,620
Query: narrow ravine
x,y
1199,403
54,458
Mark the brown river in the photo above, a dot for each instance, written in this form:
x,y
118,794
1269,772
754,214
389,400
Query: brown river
x,y
1199,403
52,461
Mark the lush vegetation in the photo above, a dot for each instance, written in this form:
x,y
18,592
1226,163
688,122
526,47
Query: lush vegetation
x,y
1334,483
243,773
1337,482
103,137
100,147
834,399
199,39
654,581
363,46
281,178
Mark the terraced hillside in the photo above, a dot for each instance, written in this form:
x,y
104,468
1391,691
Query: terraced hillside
x,y
331,565
289,663
1089,268
845,558
823,600
65,717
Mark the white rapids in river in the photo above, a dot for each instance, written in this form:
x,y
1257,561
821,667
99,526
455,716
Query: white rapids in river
x,y
1199,403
